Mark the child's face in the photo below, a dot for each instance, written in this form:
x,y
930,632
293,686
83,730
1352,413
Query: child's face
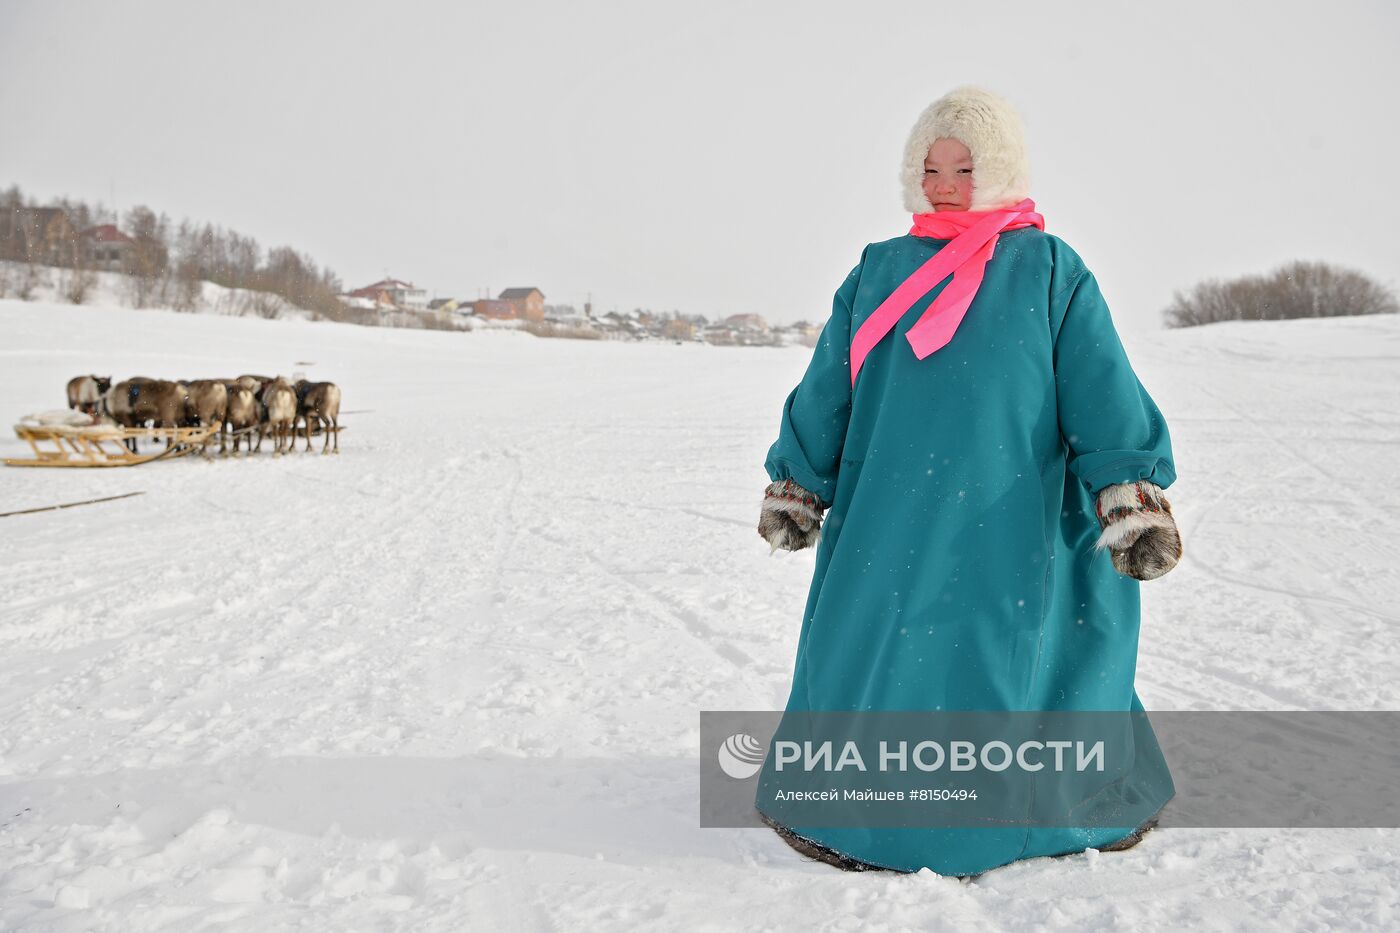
x,y
948,175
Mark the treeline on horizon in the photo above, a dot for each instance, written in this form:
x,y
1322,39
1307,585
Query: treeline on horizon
x,y
167,262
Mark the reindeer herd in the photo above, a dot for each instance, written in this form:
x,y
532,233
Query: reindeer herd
x,y
242,407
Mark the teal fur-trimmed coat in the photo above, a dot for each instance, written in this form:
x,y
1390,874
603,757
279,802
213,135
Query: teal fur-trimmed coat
x,y
956,567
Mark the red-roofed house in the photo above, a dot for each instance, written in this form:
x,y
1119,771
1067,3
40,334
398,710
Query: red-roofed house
x,y
105,247
402,294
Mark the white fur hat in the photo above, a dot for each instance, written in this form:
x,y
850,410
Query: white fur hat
x,y
991,129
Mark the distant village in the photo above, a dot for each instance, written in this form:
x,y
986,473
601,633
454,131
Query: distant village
x,y
165,265
526,307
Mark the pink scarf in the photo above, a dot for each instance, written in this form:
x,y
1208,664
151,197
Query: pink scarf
x,y
974,235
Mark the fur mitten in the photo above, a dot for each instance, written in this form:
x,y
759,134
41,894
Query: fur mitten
x,y
791,518
1138,529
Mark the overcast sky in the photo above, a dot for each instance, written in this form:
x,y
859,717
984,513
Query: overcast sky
x,y
712,157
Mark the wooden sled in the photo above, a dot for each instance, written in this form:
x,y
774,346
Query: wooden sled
x,y
101,445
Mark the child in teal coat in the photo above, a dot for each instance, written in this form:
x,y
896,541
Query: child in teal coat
x,y
984,507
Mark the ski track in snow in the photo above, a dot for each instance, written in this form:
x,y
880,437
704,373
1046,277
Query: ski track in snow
x,y
451,678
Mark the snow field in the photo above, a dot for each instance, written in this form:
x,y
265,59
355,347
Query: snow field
x,y
451,679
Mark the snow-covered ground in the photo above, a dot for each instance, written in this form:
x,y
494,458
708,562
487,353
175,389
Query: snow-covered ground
x,y
450,680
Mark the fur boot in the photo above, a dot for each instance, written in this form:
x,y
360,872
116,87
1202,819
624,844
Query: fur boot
x,y
1132,839
815,850
1138,529
791,517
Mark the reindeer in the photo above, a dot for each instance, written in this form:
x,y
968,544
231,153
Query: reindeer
x,y
262,413
117,406
255,384
85,392
162,403
280,400
114,409
133,402
321,401
206,403
241,415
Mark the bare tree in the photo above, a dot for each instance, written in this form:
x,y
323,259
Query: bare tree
x,y
188,289
32,274
266,304
1299,289
77,283
12,240
148,259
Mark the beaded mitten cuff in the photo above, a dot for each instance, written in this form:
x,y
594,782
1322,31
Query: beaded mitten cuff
x,y
1138,529
791,517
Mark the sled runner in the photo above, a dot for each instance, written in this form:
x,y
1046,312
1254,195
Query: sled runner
x,y
100,445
